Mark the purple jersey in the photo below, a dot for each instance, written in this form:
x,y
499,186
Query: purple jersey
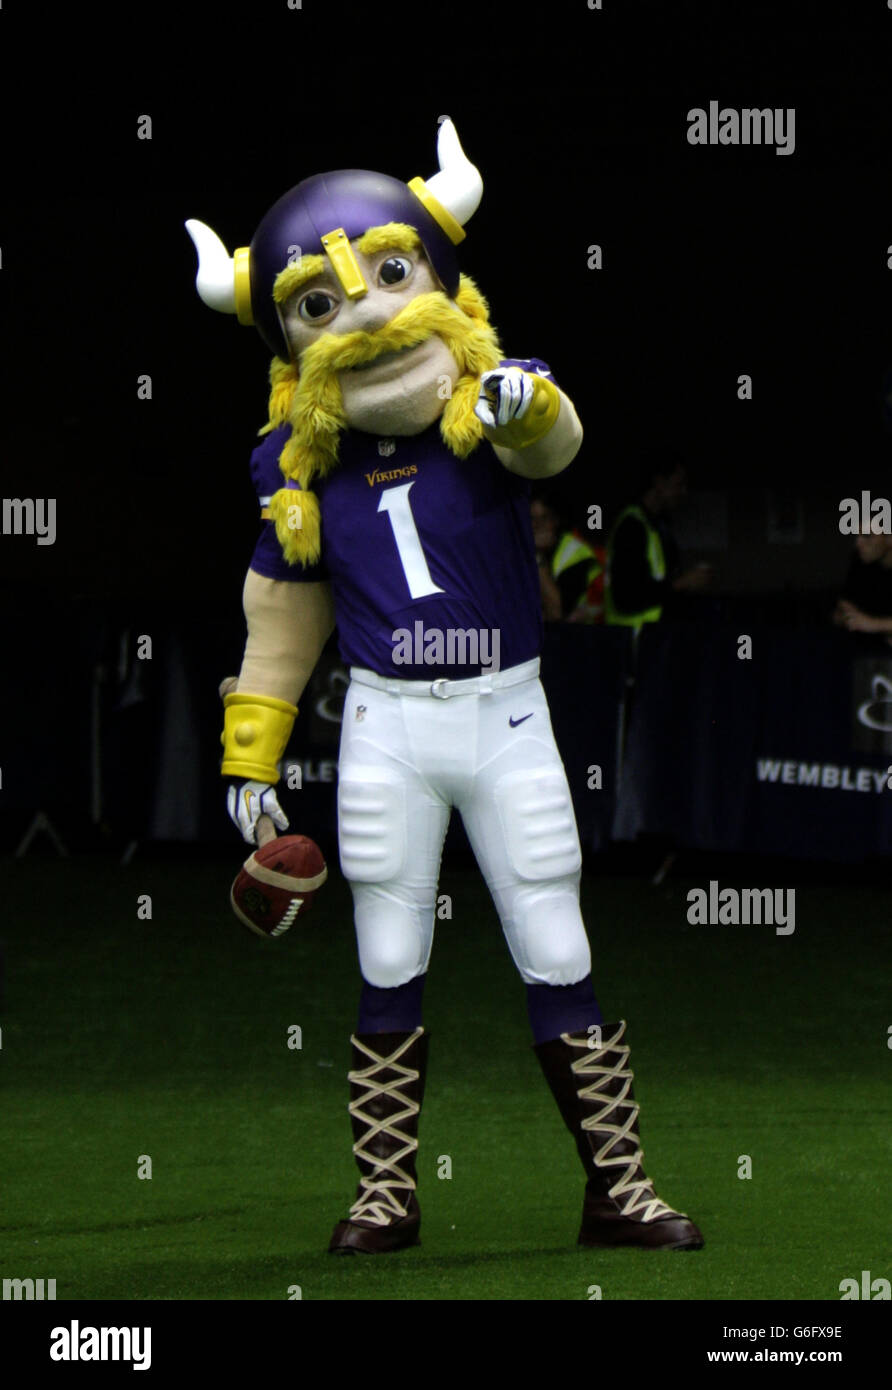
x,y
430,557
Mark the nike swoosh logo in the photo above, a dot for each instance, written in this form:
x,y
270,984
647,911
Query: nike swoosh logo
x,y
514,722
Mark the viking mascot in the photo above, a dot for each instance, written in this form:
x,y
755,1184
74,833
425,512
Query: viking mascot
x,y
393,482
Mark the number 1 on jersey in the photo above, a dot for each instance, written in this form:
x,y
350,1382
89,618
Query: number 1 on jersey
x,y
395,501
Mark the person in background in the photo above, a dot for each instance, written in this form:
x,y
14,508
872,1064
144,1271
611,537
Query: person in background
x,y
644,570
865,604
571,569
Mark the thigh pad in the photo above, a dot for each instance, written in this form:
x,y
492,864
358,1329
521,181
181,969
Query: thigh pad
x,y
371,824
536,814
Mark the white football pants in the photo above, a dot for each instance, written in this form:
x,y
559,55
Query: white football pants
x,y
412,750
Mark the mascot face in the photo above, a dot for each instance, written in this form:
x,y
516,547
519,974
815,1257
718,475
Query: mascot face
x,y
372,326
397,389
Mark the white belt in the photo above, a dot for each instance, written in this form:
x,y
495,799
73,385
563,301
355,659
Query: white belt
x,y
441,689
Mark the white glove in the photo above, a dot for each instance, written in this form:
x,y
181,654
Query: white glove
x,y
505,395
246,802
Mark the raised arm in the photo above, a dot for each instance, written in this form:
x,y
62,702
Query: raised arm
x,y
532,426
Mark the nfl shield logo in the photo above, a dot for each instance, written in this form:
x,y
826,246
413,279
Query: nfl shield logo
x,y
386,447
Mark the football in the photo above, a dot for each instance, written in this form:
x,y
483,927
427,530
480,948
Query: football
x,y
277,883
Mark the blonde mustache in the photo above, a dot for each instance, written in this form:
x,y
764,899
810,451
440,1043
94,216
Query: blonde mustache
x,y
423,317
315,410
308,398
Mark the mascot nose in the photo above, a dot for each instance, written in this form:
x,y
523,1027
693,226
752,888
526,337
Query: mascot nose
x,y
368,314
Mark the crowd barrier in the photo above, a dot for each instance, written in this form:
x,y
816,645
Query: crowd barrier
x,y
764,739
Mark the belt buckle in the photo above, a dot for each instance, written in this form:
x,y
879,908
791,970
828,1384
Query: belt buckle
x,y
438,689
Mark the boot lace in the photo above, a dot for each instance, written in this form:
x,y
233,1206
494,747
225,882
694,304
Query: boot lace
x,y
635,1195
378,1201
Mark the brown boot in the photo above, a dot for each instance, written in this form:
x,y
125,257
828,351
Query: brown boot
x,y
386,1092
593,1089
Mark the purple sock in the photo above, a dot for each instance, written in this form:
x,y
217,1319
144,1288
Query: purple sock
x,y
556,1009
396,1010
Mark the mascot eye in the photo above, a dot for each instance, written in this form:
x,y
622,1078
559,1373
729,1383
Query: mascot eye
x,y
394,269
316,305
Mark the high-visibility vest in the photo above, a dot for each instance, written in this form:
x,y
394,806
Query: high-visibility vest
x,y
656,562
573,550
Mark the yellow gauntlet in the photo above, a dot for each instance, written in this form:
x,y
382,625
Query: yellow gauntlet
x,y
537,419
256,730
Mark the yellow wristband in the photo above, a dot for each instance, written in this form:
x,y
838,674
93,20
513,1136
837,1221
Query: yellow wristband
x,y
256,730
536,420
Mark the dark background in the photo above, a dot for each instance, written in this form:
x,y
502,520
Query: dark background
x,y
717,261
124,1035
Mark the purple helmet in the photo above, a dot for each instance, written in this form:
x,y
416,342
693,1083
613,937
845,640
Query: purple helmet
x,y
350,199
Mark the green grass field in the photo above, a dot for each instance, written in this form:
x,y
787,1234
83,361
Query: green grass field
x,y
168,1038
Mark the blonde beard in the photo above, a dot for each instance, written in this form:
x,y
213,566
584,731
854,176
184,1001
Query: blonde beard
x,y
310,400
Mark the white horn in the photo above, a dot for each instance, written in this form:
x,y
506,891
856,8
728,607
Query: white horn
x,y
215,280
458,185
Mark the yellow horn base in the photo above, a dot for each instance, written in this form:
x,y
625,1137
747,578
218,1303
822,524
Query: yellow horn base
x,y
453,229
241,269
